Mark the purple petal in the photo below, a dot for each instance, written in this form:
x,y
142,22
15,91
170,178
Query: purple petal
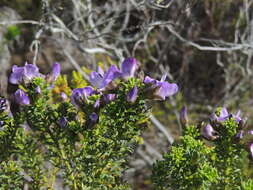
x,y
80,95
56,70
110,75
250,132
132,95
76,97
88,91
208,132
108,98
21,97
224,113
148,80
31,71
165,90
96,79
237,116
101,71
128,67
23,74
16,75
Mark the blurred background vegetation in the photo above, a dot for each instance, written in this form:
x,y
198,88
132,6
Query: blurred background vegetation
x,y
206,46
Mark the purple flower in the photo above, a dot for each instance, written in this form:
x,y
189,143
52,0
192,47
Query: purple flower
x,y
149,80
53,75
237,116
250,132
132,95
224,115
208,132
128,67
108,98
160,89
63,122
56,70
101,81
183,116
80,95
93,117
21,97
24,74
96,79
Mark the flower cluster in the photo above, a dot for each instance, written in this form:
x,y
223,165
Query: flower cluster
x,y
211,131
88,133
98,118
207,155
220,116
105,82
25,75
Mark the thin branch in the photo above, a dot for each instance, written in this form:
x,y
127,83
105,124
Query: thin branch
x,y
162,128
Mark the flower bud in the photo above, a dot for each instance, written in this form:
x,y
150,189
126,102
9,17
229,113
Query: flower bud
x,y
132,95
209,133
63,122
93,117
21,97
53,75
107,98
129,67
92,120
184,116
159,90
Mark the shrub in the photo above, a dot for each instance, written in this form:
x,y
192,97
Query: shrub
x,y
212,156
83,136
